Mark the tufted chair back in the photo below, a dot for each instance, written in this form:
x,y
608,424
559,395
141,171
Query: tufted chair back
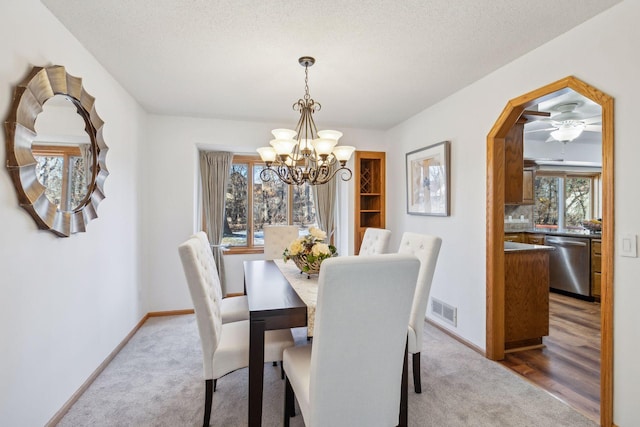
x,y
203,240
204,287
277,238
375,241
426,248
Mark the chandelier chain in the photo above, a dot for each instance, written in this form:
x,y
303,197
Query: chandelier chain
x,y
306,83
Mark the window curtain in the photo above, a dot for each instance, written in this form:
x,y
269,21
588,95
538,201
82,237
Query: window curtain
x,y
325,200
214,172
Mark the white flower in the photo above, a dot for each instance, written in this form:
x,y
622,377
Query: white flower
x,y
320,249
317,233
295,247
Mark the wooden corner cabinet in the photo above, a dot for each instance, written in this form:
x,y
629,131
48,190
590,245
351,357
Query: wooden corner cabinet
x,y
369,171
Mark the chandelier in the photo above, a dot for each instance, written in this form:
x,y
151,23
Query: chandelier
x,y
305,154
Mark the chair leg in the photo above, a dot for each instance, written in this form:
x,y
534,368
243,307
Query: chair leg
x,y
281,370
275,363
417,386
215,385
289,403
208,397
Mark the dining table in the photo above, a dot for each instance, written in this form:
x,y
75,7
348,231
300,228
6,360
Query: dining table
x,y
280,297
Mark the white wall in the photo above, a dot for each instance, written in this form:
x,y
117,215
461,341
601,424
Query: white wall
x,y
599,52
170,182
65,303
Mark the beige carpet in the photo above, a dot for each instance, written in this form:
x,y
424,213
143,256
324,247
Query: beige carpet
x,y
156,380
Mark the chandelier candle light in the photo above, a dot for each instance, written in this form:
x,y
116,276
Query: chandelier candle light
x,y
305,154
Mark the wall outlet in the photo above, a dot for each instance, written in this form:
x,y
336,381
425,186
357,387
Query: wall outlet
x,y
629,245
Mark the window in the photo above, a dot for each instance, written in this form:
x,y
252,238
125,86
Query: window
x,y
62,171
251,204
563,200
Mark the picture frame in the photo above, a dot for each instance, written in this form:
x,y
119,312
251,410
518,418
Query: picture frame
x,y
428,176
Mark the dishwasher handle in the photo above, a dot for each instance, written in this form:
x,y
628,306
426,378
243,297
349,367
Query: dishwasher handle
x,y
563,242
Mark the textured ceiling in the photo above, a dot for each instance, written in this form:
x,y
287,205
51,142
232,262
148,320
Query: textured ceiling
x,y
378,61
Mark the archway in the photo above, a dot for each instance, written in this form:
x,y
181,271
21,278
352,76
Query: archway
x,y
495,227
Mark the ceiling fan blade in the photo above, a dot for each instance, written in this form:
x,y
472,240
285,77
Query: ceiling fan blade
x,y
593,128
592,120
540,130
533,116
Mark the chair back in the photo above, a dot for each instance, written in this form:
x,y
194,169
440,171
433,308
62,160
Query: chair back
x,y
277,238
359,339
375,241
203,240
426,248
204,286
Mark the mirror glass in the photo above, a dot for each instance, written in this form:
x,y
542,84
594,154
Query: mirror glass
x,y
64,155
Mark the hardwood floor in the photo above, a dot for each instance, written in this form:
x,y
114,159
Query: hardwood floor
x,y
568,366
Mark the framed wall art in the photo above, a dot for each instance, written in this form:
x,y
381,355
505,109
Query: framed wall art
x,y
428,180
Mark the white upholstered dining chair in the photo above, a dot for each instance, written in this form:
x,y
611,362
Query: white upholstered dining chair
x,y
351,374
277,238
232,309
375,241
225,347
426,248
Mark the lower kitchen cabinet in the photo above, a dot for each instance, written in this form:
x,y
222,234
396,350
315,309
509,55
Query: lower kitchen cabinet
x,y
526,298
596,268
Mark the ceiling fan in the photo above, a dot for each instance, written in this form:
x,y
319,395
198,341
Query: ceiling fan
x,y
566,122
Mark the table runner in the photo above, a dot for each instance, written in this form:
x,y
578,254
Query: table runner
x,y
306,288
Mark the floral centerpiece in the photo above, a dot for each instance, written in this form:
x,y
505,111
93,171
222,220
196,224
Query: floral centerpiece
x,y
308,252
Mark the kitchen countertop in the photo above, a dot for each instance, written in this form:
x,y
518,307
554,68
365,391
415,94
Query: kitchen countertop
x,y
522,247
567,233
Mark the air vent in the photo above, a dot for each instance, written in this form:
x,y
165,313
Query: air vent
x,y
444,311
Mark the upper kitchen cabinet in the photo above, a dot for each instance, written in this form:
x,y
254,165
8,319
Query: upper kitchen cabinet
x,y
514,164
519,172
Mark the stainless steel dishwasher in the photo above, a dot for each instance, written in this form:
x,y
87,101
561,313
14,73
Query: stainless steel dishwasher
x,y
569,265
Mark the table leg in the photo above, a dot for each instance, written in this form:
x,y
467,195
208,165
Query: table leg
x,y
256,371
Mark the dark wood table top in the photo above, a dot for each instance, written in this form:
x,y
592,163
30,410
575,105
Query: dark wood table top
x,y
269,293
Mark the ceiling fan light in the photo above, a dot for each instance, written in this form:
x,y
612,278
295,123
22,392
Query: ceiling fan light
x,y
568,133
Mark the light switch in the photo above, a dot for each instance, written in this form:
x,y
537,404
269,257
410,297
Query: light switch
x,y
628,245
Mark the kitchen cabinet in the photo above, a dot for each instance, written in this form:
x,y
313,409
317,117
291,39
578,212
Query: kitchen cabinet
x,y
528,179
526,297
514,237
514,163
596,268
369,172
534,239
